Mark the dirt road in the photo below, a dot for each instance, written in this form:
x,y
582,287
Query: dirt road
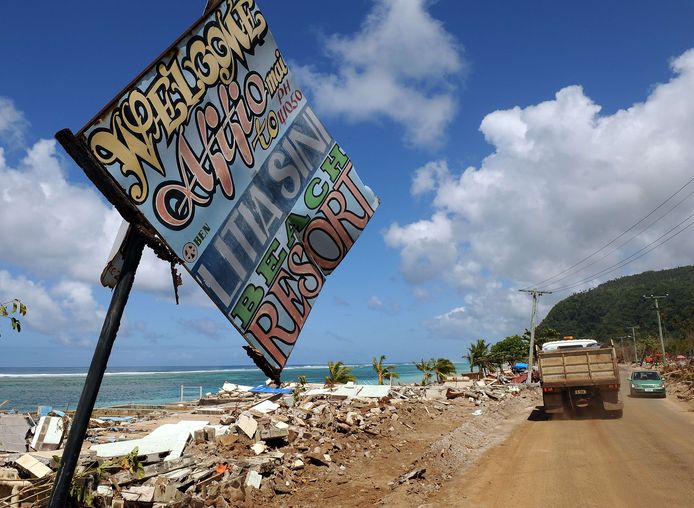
x,y
644,459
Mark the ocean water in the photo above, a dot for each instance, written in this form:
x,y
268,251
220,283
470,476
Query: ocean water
x,y
26,388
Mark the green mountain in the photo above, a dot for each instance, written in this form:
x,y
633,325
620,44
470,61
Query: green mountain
x,y
609,310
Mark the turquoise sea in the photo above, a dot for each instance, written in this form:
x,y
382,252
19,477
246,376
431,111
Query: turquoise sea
x,y
26,388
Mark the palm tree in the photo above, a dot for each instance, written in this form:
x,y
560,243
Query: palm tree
x,y
478,355
339,374
426,367
384,371
443,368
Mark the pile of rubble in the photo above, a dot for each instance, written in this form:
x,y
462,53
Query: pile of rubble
x,y
680,380
261,444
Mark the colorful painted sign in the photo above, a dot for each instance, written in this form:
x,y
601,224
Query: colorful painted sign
x,y
217,147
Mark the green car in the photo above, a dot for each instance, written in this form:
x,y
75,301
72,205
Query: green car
x,y
646,382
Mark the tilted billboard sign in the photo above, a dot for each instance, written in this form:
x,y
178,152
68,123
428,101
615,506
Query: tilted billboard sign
x,y
221,153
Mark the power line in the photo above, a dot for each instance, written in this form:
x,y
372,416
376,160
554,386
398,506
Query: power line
x,y
622,244
543,282
633,257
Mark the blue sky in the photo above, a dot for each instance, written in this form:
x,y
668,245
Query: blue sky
x,y
506,141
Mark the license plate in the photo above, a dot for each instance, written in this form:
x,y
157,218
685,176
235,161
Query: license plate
x,y
649,389
581,392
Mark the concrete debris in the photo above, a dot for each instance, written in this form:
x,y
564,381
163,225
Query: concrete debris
x,y
258,445
253,479
412,475
33,466
351,391
13,432
233,388
247,424
168,438
266,406
142,494
49,433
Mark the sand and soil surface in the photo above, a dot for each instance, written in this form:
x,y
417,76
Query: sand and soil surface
x,y
644,459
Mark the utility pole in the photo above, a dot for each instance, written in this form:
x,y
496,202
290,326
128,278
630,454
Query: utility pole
x,y
535,294
633,336
621,339
660,328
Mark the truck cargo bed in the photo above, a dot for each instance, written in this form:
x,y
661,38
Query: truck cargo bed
x,y
578,367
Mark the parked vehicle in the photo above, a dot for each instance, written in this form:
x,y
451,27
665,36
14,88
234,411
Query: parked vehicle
x,y
579,374
646,382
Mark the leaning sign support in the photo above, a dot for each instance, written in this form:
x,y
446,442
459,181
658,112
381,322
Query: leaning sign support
x,y
217,161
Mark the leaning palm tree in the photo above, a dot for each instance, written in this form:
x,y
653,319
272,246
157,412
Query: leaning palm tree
x,y
339,374
384,371
442,368
426,367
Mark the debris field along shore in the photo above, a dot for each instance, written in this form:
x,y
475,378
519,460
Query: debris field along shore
x,y
264,446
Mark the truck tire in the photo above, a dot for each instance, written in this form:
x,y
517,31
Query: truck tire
x,y
617,414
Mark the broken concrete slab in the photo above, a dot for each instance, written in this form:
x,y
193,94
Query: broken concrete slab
x,y
164,492
259,447
253,479
274,431
33,466
13,432
231,387
247,424
435,392
227,440
169,437
352,391
141,494
319,459
374,391
265,407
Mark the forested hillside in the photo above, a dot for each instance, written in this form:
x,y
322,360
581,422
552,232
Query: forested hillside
x,y
609,310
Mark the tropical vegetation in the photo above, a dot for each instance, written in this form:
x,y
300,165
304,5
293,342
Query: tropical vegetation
x,y
339,374
442,368
478,355
511,349
384,371
11,309
426,367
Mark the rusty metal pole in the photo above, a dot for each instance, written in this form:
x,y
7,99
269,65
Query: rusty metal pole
x,y
132,250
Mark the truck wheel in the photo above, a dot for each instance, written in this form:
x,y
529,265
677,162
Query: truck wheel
x,y
631,392
617,414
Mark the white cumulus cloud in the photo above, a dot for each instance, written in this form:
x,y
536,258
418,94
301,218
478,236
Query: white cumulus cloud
x,y
401,65
56,238
563,180
12,122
